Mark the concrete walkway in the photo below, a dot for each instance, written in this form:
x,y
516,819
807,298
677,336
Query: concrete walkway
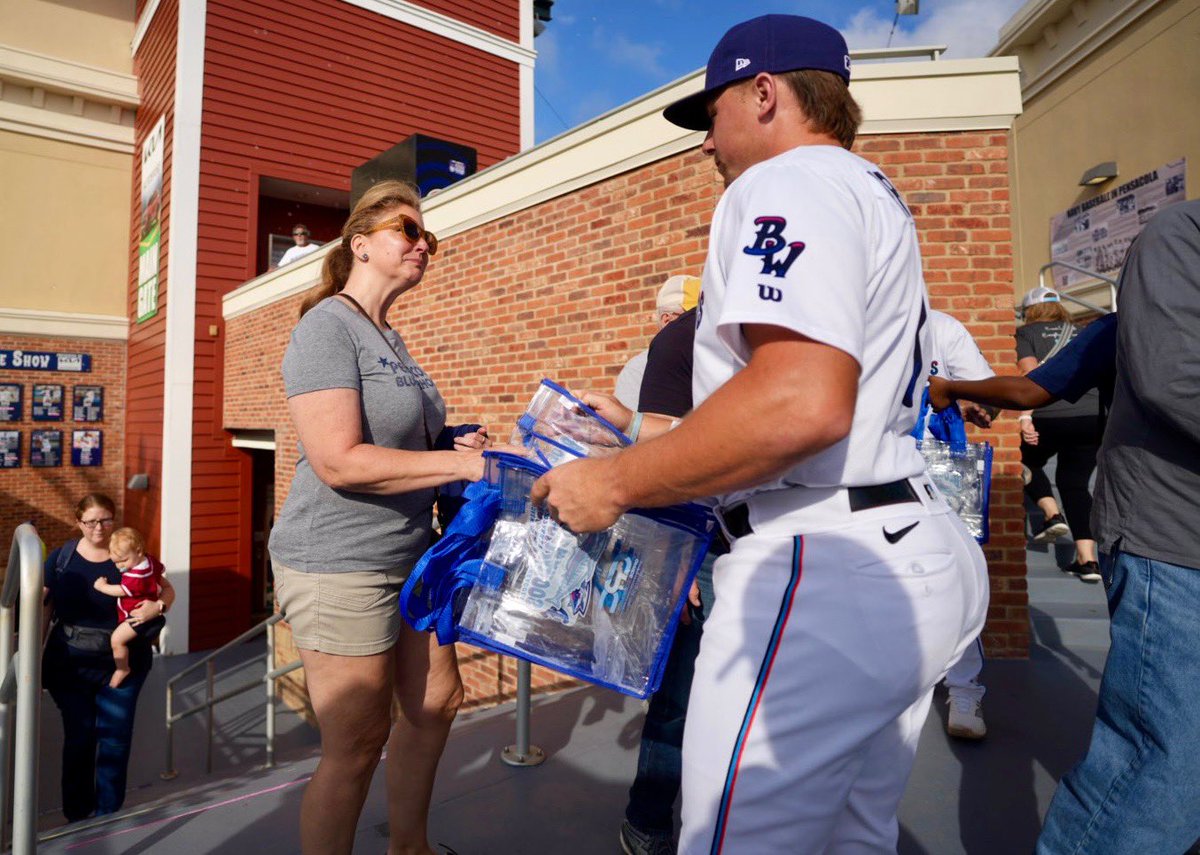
x,y
979,798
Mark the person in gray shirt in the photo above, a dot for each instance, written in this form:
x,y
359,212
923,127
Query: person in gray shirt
x,y
1138,788
357,518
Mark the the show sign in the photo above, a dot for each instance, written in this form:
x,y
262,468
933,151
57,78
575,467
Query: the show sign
x,y
1096,233
151,232
37,360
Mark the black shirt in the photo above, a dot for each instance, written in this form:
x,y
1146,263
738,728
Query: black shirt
x,y
667,383
77,603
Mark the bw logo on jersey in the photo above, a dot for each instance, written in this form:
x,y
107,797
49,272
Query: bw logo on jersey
x,y
768,243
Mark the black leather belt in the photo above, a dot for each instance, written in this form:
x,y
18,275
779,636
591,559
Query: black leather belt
x,y
737,518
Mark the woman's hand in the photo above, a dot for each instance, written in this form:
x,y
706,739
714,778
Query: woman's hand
x,y
609,408
1029,434
147,610
476,441
473,465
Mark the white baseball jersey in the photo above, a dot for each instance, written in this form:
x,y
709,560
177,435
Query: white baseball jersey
x,y
818,241
953,353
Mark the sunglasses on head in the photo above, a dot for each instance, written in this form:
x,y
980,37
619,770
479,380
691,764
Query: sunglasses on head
x,y
410,228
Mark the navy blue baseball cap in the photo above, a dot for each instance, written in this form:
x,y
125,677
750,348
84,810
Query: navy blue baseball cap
x,y
771,43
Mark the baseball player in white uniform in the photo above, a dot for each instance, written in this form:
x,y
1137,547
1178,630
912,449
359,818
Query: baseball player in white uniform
x,y
850,584
954,355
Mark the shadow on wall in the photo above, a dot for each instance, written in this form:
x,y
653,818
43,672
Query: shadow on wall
x,y
54,529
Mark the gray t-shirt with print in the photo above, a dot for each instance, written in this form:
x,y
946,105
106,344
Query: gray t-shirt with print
x,y
321,529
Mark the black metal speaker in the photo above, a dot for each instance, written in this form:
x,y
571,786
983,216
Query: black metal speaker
x,y
424,161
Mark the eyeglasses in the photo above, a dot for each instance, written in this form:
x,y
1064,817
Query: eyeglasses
x,y
411,228
299,234
107,522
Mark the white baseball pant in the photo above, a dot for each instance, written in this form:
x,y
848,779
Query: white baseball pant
x,y
815,676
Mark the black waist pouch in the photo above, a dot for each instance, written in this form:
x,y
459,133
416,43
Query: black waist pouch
x,y
86,640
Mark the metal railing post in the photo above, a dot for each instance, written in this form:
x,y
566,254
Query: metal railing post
x,y
270,696
22,678
523,754
7,637
211,669
170,772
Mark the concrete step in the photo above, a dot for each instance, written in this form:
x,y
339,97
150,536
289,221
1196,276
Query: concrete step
x,y
1064,589
1064,631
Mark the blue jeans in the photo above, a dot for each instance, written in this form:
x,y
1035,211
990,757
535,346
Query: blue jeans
x,y
652,797
1138,788
97,737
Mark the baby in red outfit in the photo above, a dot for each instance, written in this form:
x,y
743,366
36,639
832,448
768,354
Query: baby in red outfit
x,y
141,580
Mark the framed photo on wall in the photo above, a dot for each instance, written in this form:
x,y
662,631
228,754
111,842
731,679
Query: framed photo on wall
x,y
10,402
47,402
45,448
87,448
89,403
10,449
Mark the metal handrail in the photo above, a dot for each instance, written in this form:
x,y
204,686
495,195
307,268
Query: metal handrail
x,y
21,679
1064,293
211,700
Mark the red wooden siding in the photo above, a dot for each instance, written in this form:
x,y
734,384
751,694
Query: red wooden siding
x,y
325,87
501,17
154,65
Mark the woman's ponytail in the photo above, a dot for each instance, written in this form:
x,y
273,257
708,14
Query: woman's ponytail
x,y
379,199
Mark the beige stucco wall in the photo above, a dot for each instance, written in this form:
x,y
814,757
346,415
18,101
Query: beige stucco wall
x,y
98,32
1133,102
65,238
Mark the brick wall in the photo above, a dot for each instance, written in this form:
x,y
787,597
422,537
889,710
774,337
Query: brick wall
x,y
957,186
566,290
48,495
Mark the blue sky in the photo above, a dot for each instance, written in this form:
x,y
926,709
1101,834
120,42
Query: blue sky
x,y
598,54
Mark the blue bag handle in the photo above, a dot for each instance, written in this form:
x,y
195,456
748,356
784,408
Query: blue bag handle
x,y
446,566
947,426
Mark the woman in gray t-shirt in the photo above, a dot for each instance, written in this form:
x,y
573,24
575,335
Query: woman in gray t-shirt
x,y
357,518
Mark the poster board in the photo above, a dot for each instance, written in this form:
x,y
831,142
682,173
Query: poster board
x,y
1096,233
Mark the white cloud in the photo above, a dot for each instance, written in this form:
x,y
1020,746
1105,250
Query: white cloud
x,y
628,55
966,27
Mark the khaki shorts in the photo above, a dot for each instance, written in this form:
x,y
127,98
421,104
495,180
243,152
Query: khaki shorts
x,y
352,613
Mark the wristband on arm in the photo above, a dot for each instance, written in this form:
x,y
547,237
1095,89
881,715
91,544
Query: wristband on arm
x,y
635,426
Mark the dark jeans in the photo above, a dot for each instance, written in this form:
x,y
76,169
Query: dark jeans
x,y
652,797
97,737
1076,440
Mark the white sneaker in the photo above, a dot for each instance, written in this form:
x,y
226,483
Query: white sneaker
x,y
966,718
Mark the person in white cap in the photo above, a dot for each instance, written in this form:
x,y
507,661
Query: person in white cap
x,y
678,294
851,585
1070,430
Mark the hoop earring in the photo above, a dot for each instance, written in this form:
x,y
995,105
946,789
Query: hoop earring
x,y
365,257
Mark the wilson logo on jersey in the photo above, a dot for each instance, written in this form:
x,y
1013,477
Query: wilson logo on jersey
x,y
769,242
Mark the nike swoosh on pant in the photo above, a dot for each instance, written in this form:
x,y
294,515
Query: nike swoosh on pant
x,y
894,536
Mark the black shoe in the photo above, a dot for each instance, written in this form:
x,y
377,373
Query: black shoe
x,y
1054,528
1086,571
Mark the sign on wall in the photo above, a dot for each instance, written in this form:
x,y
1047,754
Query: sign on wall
x,y
37,360
10,449
10,402
151,232
1096,233
45,448
87,448
47,402
89,403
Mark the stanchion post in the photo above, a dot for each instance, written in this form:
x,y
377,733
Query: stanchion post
x,y
523,754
